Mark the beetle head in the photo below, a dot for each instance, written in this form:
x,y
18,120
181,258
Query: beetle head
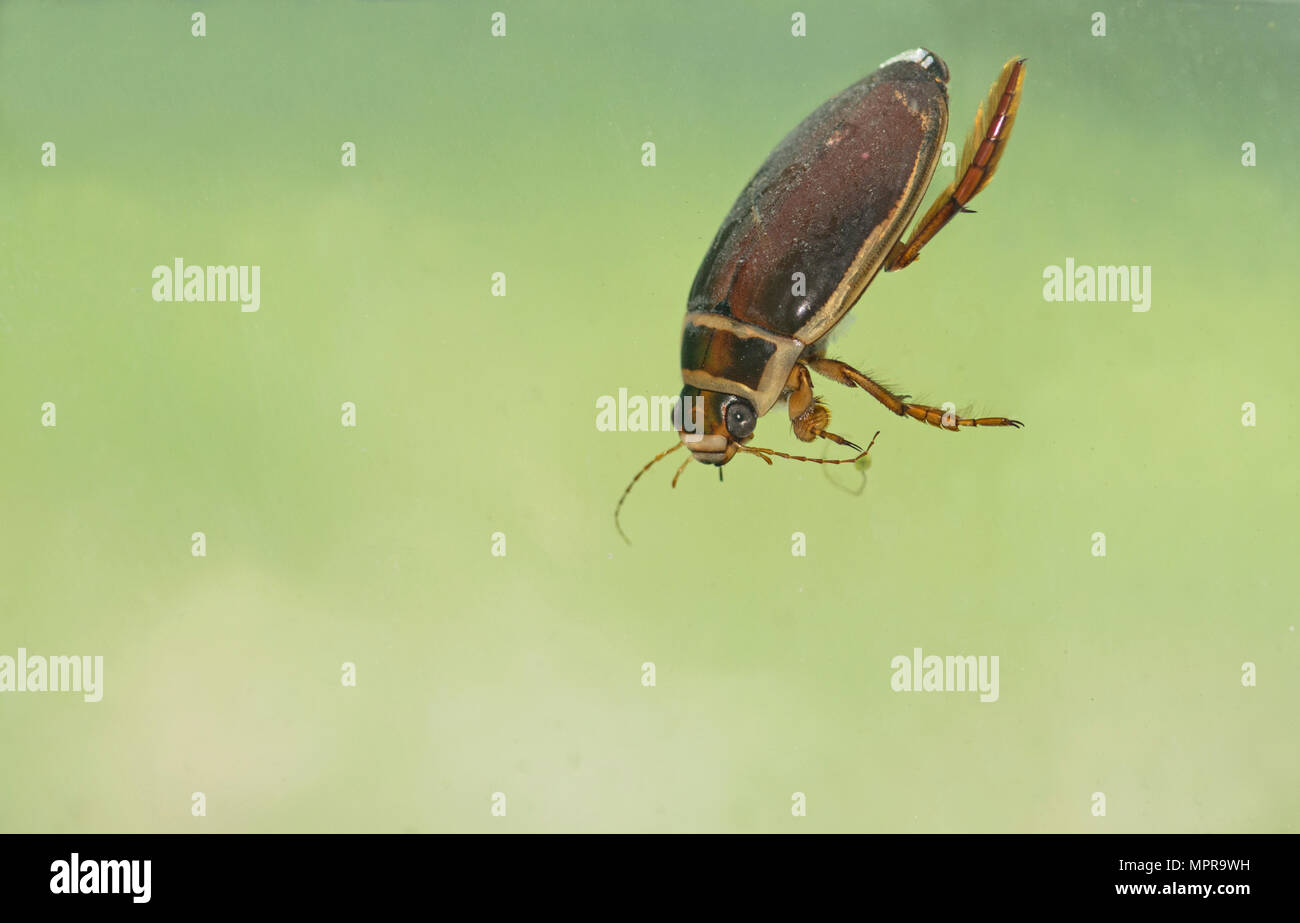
x,y
712,424
716,426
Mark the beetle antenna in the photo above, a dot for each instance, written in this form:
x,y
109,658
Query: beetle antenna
x,y
764,453
628,490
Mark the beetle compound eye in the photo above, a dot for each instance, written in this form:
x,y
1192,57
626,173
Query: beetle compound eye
x,y
741,418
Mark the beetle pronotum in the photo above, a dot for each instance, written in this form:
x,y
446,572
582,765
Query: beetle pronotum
x,y
828,207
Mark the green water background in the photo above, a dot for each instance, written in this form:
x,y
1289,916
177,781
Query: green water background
x,y
522,674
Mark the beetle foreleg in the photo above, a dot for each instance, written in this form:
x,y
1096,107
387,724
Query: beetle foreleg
x,y
934,416
809,416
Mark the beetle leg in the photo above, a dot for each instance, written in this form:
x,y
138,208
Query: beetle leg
x,y
935,416
809,416
984,147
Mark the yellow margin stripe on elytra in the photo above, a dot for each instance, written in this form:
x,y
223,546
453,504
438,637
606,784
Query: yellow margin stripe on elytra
x,y
871,255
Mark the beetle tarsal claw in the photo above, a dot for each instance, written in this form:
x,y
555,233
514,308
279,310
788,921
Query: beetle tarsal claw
x,y
840,440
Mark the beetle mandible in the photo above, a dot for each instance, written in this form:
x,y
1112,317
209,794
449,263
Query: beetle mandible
x,y
831,202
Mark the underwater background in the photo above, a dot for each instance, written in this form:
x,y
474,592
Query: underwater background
x,y
522,674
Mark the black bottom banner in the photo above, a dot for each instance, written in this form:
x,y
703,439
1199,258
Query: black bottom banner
x,y
1165,874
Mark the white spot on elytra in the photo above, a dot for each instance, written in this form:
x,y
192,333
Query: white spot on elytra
x,y
916,56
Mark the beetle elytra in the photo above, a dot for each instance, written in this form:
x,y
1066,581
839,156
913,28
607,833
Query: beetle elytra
x,y
828,209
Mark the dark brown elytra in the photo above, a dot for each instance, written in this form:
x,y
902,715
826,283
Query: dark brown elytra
x,y
822,216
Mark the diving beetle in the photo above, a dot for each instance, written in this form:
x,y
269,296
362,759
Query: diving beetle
x,y
822,216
